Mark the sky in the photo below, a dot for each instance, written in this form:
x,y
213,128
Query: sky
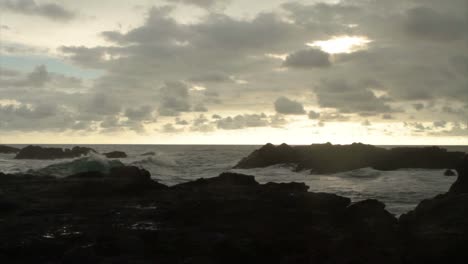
x,y
234,72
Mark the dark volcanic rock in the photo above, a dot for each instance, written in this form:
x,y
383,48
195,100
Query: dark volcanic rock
x,y
8,150
115,155
436,231
449,173
37,152
328,158
461,184
269,155
126,217
119,182
226,179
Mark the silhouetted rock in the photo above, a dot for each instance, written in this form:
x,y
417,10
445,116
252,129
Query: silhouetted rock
x,y
225,179
436,231
292,187
449,173
269,155
115,155
328,158
8,150
37,152
461,184
126,217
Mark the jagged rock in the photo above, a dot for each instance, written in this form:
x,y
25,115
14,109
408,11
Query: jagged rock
x,y
37,152
8,150
449,173
225,179
269,155
436,231
292,187
115,155
328,158
461,184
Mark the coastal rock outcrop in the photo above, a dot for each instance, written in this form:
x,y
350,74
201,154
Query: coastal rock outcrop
x,y
115,155
43,153
436,231
124,216
328,158
8,150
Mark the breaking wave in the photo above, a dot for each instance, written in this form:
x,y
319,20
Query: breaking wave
x,y
91,162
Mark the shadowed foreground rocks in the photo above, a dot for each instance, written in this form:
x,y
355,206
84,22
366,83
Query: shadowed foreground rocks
x,y
328,158
126,217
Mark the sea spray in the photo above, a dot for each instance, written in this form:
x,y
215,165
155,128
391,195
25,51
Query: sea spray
x,y
91,162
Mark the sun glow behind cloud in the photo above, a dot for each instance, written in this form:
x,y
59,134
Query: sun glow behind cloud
x,y
341,44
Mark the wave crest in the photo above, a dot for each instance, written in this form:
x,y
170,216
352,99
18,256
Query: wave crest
x,y
91,162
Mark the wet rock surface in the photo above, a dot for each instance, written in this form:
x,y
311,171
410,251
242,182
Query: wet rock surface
x,y
126,217
328,158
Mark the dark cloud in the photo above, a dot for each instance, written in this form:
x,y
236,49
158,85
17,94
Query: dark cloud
x,y
387,117
418,106
174,99
284,105
309,58
428,24
170,128
202,3
350,97
30,7
242,121
211,78
40,117
141,113
200,108
202,124
313,115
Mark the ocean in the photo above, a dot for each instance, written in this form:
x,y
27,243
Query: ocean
x,y
400,190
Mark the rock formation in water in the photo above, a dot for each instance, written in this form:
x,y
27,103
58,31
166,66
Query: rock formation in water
x,y
115,155
43,153
328,158
8,150
436,231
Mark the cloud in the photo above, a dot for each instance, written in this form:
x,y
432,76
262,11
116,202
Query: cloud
x,y
174,99
141,113
39,117
202,124
428,24
170,128
242,121
309,58
51,11
211,78
349,97
284,105
202,3
387,117
405,64
313,115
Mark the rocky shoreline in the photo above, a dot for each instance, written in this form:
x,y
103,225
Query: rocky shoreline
x,y
126,217
328,158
